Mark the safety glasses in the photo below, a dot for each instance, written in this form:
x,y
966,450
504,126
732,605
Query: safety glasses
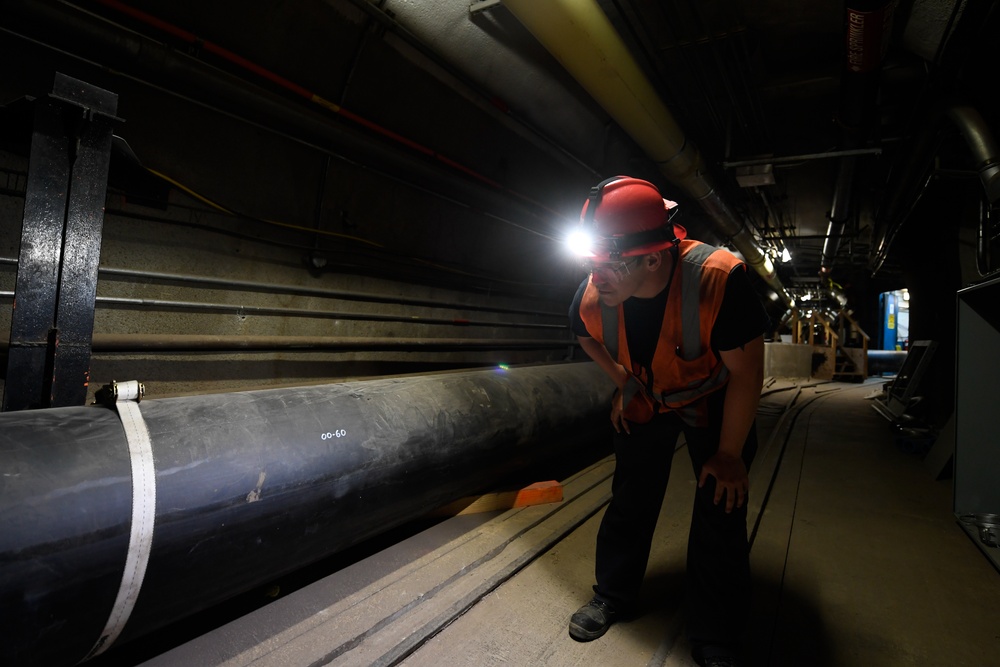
x,y
612,271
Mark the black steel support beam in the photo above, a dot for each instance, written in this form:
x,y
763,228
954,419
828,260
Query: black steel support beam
x,y
52,323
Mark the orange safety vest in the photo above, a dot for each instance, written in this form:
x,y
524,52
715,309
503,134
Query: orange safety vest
x,y
684,368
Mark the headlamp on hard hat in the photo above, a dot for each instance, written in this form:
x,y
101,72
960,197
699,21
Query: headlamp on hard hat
x,y
580,242
625,217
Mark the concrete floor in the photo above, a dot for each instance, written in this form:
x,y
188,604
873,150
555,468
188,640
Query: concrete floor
x,y
856,553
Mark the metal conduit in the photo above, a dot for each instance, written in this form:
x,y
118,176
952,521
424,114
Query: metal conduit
x,y
378,13
384,20
252,485
864,41
367,297
83,35
304,312
111,343
841,208
580,36
303,291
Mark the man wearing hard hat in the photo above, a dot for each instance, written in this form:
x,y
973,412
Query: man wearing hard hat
x,y
676,325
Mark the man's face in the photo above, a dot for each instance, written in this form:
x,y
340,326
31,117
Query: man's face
x,y
616,281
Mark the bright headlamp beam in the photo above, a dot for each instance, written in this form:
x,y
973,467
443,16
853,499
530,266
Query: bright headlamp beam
x,y
580,243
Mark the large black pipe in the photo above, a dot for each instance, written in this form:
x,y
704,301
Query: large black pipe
x,y
885,361
252,485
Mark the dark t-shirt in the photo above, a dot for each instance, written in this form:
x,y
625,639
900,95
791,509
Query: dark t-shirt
x,y
741,318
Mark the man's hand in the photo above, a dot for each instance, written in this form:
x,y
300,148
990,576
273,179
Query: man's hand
x,y
730,478
617,413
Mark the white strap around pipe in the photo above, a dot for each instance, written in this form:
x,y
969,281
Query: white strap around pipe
x,y
128,395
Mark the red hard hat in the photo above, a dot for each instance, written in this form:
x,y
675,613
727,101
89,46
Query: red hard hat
x,y
627,217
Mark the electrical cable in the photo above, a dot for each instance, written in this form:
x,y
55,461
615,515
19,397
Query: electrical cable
x,y
222,209
301,92
233,213
244,119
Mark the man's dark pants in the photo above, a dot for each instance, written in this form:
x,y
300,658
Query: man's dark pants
x,y
718,557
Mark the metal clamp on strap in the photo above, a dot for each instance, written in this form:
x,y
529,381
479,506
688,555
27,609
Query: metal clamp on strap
x,y
125,397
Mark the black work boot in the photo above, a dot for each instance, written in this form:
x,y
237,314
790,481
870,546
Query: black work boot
x,y
591,620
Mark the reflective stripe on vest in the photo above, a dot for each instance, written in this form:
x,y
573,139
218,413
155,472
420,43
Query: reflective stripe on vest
x,y
702,277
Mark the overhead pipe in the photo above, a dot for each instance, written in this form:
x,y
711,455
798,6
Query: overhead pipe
x,y
580,36
841,209
388,19
908,187
972,23
904,190
248,486
983,146
296,89
84,35
868,26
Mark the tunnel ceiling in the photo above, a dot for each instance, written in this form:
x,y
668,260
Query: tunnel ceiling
x,y
764,88
752,79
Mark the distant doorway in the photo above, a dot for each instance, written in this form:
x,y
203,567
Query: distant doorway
x,y
894,308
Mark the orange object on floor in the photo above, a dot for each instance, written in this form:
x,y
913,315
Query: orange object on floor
x,y
538,493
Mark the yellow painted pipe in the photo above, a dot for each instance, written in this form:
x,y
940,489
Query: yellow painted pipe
x,y
580,36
